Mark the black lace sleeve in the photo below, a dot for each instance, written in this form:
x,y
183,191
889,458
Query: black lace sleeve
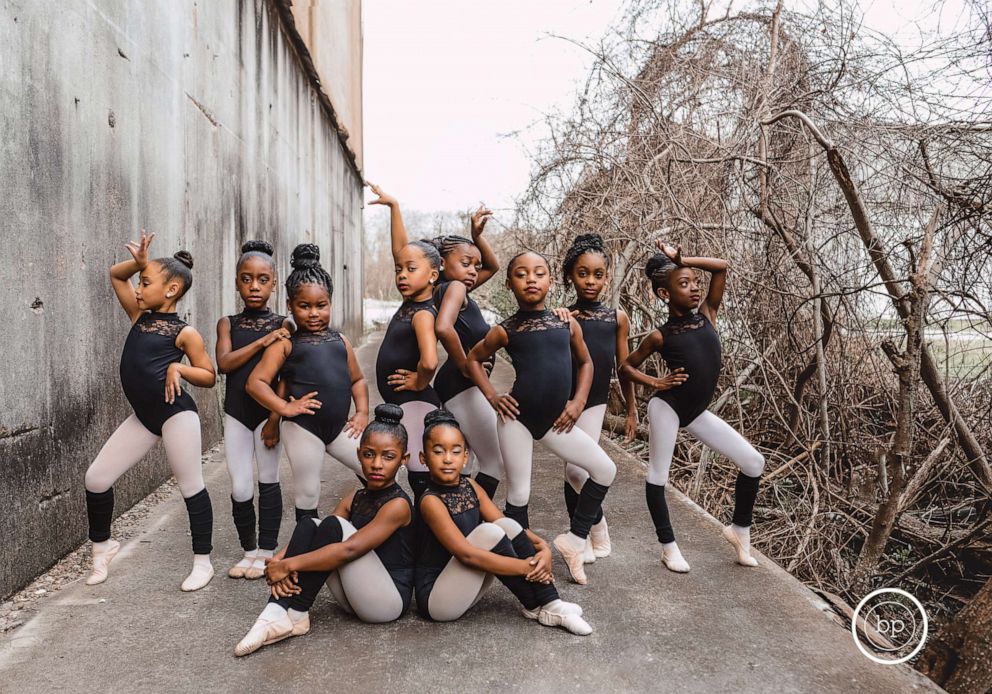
x,y
605,314
258,324
683,324
367,504
458,499
408,309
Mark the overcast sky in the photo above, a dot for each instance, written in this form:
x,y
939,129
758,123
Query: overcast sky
x,y
446,82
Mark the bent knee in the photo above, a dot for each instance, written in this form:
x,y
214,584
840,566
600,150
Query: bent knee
x,y
509,526
486,536
605,473
753,465
95,482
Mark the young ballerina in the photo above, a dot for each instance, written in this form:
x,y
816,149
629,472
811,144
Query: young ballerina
x,y
465,541
539,407
363,552
467,264
151,376
407,356
690,346
251,431
322,378
605,329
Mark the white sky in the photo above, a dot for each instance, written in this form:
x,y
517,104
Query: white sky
x,y
446,80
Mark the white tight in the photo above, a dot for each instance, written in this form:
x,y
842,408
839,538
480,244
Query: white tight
x,y
459,587
413,422
240,445
591,422
306,451
708,428
478,419
131,441
363,587
576,446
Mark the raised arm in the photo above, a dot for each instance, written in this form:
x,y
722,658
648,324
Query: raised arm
x,y
444,324
436,515
490,264
122,272
717,267
397,230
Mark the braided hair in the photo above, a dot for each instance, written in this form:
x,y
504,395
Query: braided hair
x,y
521,254
179,265
430,252
437,418
257,249
307,270
387,421
583,243
446,244
658,269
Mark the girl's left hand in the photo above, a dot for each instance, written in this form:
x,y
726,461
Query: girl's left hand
x,y
541,573
673,252
270,433
403,379
566,420
173,382
564,315
630,427
356,425
275,571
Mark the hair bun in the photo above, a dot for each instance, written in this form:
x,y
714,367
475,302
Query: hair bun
x,y
440,416
388,413
184,257
305,255
257,246
655,263
591,241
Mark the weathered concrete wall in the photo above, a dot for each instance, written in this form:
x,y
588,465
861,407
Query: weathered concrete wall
x,y
193,119
332,32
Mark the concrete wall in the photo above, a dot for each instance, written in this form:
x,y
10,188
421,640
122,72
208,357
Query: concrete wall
x,y
193,119
332,32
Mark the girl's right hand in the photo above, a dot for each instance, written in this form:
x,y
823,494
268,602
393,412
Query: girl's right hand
x,y
308,404
270,433
505,405
139,251
672,380
479,219
383,199
277,334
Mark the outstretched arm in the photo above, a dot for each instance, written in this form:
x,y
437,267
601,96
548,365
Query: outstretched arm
x,y
490,264
122,272
397,230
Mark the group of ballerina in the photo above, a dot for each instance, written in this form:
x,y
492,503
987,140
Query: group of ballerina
x,y
295,382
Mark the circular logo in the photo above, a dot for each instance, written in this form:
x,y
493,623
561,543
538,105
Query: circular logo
x,y
889,626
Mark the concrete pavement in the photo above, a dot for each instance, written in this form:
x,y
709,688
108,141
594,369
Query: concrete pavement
x,y
721,627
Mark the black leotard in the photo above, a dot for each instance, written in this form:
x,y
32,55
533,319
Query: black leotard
x,y
539,345
246,327
471,327
691,342
599,331
396,553
399,350
319,362
148,351
463,504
